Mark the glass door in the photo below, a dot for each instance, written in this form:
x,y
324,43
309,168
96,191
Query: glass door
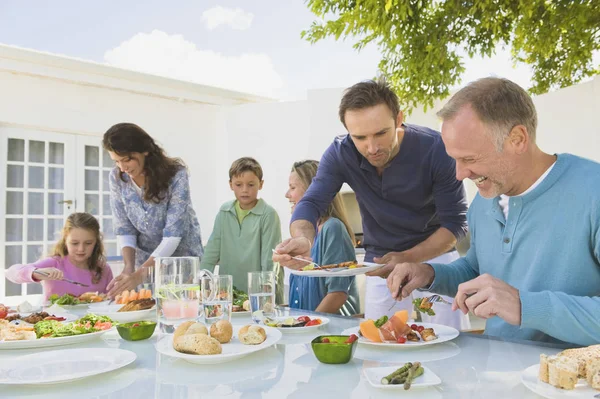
x,y
38,194
93,193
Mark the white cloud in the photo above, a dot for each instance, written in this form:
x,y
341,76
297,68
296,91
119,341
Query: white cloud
x,y
235,18
173,56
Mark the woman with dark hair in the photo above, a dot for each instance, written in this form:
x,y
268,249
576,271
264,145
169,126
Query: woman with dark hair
x,y
151,204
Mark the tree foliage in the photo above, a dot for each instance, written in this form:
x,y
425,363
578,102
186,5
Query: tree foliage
x,y
421,41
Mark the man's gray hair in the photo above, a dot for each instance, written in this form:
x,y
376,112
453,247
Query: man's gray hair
x,y
499,103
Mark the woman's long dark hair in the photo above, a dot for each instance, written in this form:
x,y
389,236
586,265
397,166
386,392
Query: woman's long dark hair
x,y
82,220
126,138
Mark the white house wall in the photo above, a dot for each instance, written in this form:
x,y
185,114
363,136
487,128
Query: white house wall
x,y
209,137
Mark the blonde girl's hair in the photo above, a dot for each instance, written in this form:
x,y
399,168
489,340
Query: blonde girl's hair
x,y
306,171
82,220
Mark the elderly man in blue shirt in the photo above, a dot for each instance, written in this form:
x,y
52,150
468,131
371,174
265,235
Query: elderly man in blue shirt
x,y
533,268
413,208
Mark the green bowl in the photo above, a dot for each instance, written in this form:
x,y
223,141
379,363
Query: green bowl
x,y
334,352
136,331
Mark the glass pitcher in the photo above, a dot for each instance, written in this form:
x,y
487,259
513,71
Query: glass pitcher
x,y
177,290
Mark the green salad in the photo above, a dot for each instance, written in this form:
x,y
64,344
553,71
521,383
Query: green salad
x,y
66,299
239,297
88,324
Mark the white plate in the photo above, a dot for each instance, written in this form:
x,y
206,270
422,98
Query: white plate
x,y
46,342
368,267
231,351
375,374
123,317
529,377
300,330
63,365
81,305
444,333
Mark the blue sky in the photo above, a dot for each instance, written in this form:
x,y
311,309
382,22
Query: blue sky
x,y
251,46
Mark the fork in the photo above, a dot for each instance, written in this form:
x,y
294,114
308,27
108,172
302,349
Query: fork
x,y
438,298
304,260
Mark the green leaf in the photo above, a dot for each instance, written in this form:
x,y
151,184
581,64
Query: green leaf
x,y
421,42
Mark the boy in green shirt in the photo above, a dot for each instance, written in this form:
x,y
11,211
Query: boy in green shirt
x,y
246,229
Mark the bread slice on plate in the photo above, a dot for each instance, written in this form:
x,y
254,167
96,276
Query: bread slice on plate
x,y
563,372
593,373
582,355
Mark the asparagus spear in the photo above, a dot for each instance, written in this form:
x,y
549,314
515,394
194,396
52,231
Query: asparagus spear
x,y
413,373
402,370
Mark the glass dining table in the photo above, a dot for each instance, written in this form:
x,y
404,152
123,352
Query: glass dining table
x,y
470,366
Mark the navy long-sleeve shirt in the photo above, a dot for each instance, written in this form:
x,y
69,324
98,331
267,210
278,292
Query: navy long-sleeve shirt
x,y
417,193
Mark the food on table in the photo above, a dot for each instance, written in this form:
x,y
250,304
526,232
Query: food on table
x,y
90,297
239,297
128,296
395,330
252,335
222,331
246,305
136,331
197,344
138,304
35,317
52,328
183,327
349,265
424,306
404,375
334,349
10,332
567,367
302,321
192,339
370,331
69,299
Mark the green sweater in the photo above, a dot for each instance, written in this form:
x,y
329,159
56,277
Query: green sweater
x,y
242,248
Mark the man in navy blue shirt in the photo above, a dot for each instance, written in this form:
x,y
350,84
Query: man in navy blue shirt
x,y
413,209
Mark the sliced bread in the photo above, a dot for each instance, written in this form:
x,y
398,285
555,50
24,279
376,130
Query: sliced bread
x,y
563,372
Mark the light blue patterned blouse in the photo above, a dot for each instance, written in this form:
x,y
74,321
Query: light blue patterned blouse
x,y
150,222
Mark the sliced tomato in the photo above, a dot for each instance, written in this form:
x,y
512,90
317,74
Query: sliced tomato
x,y
313,322
3,311
103,325
304,319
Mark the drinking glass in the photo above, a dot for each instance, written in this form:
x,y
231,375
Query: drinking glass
x,y
177,292
261,291
217,298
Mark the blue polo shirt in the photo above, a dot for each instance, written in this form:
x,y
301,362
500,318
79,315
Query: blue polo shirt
x,y
417,193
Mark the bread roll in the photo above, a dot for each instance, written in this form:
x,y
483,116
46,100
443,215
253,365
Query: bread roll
x,y
222,331
252,335
197,328
246,305
197,344
183,327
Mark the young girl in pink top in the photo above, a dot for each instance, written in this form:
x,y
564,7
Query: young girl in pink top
x,y
77,256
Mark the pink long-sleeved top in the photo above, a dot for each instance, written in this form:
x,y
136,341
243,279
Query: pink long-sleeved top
x,y
20,274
